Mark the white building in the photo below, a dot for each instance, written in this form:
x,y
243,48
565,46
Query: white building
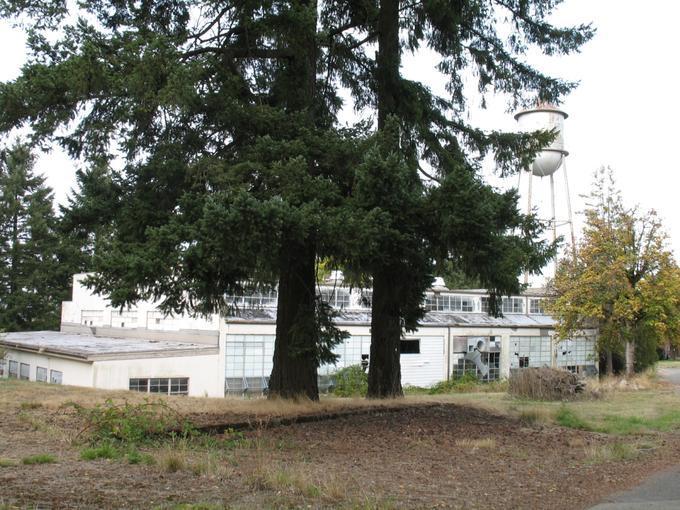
x,y
142,349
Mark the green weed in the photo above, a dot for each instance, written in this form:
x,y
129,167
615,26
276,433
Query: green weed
x,y
131,423
43,458
7,463
30,405
467,383
567,418
134,456
623,425
104,451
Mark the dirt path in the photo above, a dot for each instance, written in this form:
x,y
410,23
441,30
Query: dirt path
x,y
445,456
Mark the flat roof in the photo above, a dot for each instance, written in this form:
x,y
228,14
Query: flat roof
x,y
439,319
96,348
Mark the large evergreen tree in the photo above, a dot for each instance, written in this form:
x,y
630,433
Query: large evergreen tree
x,y
224,114
32,281
233,167
87,219
458,216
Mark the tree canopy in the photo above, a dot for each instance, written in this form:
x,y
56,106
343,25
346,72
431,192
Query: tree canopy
x,y
623,279
235,171
33,278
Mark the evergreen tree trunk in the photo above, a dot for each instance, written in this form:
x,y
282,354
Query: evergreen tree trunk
x,y
384,373
294,373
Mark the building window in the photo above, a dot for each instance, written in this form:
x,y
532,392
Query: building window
x,y
56,377
449,303
40,374
410,346
337,298
14,369
3,368
24,371
536,306
530,351
162,385
92,317
179,386
159,385
467,304
366,299
513,305
139,385
121,317
254,299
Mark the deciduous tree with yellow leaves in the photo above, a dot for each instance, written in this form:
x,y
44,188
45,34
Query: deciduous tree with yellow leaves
x,y
621,278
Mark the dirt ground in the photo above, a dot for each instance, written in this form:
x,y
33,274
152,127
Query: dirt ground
x,y
422,455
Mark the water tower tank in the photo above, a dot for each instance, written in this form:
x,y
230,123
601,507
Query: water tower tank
x,y
545,118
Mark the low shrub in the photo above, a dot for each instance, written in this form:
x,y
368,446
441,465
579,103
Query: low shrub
x,y
131,423
546,384
351,381
466,383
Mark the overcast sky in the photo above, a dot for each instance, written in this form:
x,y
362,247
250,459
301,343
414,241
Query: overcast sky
x,y
624,113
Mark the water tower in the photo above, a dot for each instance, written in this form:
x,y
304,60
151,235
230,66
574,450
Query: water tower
x,y
547,163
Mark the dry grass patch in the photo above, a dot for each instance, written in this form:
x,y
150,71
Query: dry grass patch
x,y
611,452
259,411
476,444
535,415
298,481
170,460
210,465
615,384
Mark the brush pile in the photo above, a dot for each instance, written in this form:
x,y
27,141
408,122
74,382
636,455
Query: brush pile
x,y
546,384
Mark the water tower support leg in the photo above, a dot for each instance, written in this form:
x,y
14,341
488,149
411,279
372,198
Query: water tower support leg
x,y
570,218
531,178
519,180
552,206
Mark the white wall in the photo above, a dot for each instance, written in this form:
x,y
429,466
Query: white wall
x,y
202,371
428,367
74,373
204,378
86,307
424,369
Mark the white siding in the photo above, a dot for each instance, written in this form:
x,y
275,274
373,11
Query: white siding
x,y
426,368
75,373
202,372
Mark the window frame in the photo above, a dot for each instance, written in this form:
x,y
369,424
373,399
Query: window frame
x,y
153,385
409,342
56,377
38,370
